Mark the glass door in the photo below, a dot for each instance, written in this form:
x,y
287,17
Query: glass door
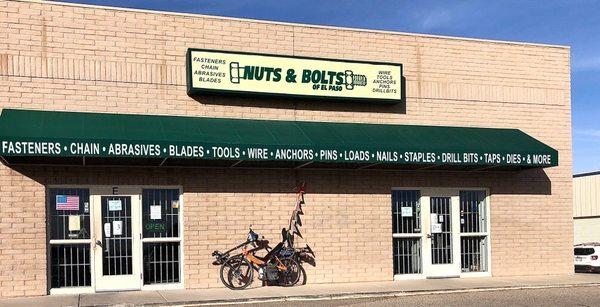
x,y
117,242
442,229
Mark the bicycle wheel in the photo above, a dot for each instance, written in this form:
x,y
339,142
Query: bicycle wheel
x,y
303,278
291,275
237,273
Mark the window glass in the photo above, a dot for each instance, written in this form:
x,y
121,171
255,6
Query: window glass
x,y
406,211
70,265
472,211
473,254
160,213
161,263
407,255
69,213
582,251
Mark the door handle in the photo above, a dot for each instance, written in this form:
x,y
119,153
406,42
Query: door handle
x,y
429,236
99,243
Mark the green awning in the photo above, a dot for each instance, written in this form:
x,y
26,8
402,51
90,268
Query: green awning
x,y
56,137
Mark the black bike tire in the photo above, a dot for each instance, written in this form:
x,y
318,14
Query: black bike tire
x,y
297,264
250,274
302,279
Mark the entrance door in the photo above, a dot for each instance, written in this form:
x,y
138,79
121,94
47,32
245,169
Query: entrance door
x,y
442,238
117,242
440,232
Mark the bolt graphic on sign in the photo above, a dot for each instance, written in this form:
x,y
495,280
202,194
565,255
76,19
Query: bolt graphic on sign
x,y
236,73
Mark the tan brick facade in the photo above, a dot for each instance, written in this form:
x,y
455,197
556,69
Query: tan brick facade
x,y
77,58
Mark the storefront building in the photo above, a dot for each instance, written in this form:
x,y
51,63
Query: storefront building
x,y
586,207
134,143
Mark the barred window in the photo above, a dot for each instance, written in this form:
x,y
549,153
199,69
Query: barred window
x,y
66,222
406,232
473,228
69,237
160,213
472,211
406,211
161,236
70,265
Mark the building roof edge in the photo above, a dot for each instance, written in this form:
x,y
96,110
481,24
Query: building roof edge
x,y
592,173
300,24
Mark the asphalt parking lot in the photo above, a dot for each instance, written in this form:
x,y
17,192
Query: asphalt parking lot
x,y
570,296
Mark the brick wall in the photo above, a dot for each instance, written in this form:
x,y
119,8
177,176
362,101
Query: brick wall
x,y
76,58
22,235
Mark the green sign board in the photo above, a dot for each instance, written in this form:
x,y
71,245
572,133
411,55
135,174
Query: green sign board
x,y
212,71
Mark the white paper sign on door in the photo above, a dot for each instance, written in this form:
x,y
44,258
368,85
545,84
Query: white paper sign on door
x,y
107,230
433,218
155,213
115,205
406,211
436,228
117,228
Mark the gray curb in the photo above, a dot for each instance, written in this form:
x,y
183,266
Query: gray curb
x,y
360,295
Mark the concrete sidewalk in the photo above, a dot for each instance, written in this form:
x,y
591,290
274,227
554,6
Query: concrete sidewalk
x,y
307,292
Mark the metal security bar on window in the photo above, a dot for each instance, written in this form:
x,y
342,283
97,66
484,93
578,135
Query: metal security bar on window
x,y
160,213
407,255
441,242
473,252
161,236
472,211
70,265
161,263
406,211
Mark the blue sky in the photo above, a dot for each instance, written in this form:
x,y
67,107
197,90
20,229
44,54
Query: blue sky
x,y
566,22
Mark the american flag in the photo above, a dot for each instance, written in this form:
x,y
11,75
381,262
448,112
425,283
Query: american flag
x,y
64,202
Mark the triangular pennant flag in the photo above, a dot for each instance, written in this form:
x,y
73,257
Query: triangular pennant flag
x,y
299,210
299,234
295,230
297,218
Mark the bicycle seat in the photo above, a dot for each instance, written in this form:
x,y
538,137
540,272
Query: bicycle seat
x,y
262,243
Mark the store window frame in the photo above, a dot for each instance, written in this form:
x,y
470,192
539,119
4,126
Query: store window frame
x,y
407,237
484,232
89,242
66,242
179,239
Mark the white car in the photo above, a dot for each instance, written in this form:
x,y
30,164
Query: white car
x,y
586,257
